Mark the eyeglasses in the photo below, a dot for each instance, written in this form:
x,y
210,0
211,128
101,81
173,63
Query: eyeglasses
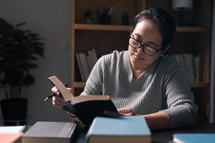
x,y
146,49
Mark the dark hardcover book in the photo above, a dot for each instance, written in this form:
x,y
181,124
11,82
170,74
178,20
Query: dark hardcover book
x,y
86,108
50,132
122,129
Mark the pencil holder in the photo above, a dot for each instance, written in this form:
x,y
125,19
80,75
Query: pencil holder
x,y
105,19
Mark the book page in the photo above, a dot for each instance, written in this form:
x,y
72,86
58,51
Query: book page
x,y
11,129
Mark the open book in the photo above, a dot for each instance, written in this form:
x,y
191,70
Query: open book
x,y
86,108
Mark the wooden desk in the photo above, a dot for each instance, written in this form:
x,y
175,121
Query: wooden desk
x,y
162,136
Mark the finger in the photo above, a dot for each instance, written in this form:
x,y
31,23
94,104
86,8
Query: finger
x,y
70,89
58,101
55,90
72,115
58,104
124,110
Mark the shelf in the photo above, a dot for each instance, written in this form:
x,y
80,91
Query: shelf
x,y
191,84
128,28
192,29
102,27
199,84
79,84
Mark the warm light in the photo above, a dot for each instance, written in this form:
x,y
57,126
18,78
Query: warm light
x,y
182,4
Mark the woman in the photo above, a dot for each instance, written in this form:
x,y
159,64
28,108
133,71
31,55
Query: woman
x,y
142,81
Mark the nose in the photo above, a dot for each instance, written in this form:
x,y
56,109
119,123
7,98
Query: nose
x,y
140,49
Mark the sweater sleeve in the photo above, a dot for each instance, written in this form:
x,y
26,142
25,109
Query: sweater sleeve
x,y
181,109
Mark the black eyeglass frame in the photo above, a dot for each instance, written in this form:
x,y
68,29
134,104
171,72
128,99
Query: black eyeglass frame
x,y
142,45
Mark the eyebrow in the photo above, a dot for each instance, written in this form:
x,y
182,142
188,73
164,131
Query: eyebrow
x,y
149,42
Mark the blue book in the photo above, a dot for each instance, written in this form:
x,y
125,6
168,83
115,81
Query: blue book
x,y
194,138
122,129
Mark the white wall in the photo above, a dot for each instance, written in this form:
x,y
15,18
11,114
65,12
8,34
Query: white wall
x,y
52,20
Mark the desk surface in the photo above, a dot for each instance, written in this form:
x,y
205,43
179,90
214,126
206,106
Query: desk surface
x,y
166,135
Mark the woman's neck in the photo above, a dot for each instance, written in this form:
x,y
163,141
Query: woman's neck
x,y
137,70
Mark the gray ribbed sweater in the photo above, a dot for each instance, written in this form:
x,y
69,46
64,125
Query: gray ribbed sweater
x,y
162,87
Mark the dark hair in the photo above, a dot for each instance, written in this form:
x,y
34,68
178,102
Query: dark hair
x,y
165,22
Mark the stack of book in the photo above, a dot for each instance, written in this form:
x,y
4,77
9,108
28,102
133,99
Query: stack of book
x,y
86,62
11,134
192,65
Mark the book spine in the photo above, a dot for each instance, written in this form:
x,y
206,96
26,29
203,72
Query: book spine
x,y
191,63
84,65
79,65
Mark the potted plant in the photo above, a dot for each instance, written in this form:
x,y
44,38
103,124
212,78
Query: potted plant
x,y
19,49
89,16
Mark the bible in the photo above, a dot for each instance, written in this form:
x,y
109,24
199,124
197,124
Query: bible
x,y
85,107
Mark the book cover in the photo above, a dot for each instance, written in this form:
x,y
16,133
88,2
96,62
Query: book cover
x,y
11,134
87,107
122,129
53,132
12,129
10,137
194,137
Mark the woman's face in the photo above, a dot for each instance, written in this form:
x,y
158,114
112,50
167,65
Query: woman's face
x,y
147,33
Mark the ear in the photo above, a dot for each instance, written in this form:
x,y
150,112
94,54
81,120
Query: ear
x,y
167,48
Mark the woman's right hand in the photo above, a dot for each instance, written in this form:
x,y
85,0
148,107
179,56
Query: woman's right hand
x,y
57,100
